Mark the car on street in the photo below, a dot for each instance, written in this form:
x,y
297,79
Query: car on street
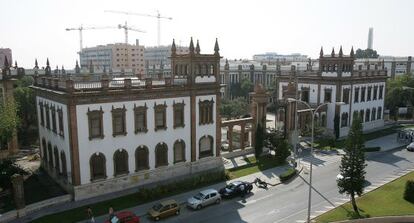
x,y
410,147
236,188
124,217
164,209
204,198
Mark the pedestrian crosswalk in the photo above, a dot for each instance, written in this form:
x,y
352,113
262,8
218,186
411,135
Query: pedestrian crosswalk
x,y
319,160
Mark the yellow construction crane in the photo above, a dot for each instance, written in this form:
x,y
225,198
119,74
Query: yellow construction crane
x,y
158,16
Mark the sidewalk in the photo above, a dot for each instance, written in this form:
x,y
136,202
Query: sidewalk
x,y
386,143
270,176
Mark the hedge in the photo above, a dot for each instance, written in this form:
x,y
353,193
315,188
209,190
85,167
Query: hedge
x,y
409,191
288,174
372,149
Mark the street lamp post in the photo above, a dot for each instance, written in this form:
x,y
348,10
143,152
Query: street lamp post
x,y
313,112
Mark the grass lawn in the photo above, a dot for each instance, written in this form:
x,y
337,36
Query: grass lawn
x,y
253,166
385,201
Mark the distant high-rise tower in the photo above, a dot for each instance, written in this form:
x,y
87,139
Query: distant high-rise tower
x,y
370,37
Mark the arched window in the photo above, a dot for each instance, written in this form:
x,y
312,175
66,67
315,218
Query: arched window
x,y
179,151
161,155
63,161
374,114
56,153
44,151
379,115
120,162
50,153
98,166
367,114
206,146
141,158
323,120
344,119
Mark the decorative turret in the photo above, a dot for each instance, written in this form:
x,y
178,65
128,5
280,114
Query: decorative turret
x,y
63,70
352,52
36,64
191,46
48,70
77,68
226,66
197,48
340,52
321,53
173,48
15,64
216,48
333,52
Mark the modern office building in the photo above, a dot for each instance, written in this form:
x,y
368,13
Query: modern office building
x,y
114,56
103,134
157,59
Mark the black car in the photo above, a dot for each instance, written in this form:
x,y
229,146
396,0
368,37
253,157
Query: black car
x,y
236,188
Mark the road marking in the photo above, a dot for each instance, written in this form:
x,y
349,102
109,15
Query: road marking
x,y
300,221
320,212
255,200
273,212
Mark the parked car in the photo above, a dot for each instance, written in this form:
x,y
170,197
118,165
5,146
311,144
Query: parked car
x,y
124,217
204,198
410,147
164,209
236,188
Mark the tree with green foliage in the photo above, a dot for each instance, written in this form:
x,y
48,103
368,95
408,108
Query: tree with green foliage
x,y
282,151
259,139
8,121
368,53
241,89
352,168
234,108
396,96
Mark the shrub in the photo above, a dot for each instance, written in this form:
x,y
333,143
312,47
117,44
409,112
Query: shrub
x,y
409,191
288,174
372,149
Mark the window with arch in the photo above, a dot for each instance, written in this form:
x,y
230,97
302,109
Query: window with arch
x,y
206,69
95,120
141,158
161,155
63,162
54,126
179,151
361,115
323,120
120,162
44,151
374,114
47,116
379,114
374,96
367,115
344,119
42,116
206,146
60,118
50,153
97,166
56,154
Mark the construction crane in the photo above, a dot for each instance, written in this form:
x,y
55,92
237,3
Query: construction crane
x,y
126,28
158,16
81,28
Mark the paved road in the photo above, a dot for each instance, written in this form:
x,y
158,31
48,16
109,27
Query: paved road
x,y
288,203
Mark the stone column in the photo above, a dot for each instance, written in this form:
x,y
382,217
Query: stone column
x,y
259,103
242,132
18,193
230,134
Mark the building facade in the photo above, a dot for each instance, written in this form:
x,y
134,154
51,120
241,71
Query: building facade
x,y
114,57
104,135
395,66
157,60
337,79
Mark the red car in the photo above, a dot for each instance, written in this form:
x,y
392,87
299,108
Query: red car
x,y
124,217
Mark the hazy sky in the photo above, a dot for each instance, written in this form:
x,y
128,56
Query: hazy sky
x,y
36,29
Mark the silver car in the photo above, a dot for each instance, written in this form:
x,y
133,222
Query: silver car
x,y
204,198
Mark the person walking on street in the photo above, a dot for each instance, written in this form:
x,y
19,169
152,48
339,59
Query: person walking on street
x,y
90,215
